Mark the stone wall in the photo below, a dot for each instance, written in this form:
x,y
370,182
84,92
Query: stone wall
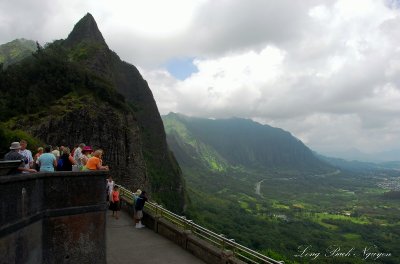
x,y
53,218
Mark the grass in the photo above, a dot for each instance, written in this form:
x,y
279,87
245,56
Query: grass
x,y
320,217
277,205
352,236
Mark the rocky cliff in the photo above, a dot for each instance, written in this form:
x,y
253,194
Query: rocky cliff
x,y
78,90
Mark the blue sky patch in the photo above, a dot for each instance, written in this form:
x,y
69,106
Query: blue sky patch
x,y
181,68
394,4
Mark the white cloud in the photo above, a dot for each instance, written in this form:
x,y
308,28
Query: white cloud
x,y
335,85
328,71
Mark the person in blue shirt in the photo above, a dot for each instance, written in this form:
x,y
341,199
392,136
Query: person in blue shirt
x,y
139,204
47,160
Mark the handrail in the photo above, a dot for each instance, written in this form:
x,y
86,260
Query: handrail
x,y
239,251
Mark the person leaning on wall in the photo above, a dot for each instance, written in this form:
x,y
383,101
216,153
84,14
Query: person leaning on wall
x,y
96,162
14,154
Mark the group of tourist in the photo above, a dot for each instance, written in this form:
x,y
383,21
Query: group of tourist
x,y
49,159
81,158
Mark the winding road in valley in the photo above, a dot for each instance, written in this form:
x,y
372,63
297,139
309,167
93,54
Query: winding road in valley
x,y
258,184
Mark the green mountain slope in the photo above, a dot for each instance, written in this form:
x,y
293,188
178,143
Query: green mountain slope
x,y
16,51
78,90
238,143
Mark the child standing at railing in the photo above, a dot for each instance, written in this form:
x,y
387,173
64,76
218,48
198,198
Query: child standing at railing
x,y
115,205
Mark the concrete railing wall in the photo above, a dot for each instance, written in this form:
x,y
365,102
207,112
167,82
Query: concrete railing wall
x,y
53,218
184,238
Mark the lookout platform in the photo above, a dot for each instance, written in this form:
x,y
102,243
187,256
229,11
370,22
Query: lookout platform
x,y
126,244
47,218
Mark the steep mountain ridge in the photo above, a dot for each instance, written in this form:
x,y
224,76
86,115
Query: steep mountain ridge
x,y
77,90
238,142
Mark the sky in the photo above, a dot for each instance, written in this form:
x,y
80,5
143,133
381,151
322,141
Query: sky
x,y
328,71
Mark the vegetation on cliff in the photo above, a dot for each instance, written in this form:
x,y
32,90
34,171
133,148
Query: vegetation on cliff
x,y
236,142
15,51
77,90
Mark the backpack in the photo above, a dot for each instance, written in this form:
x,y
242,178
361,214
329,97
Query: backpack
x,y
60,164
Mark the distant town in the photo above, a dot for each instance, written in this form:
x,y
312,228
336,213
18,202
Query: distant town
x,y
392,184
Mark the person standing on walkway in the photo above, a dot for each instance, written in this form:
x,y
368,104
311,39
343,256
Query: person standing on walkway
x,y
47,161
115,203
109,188
135,197
139,209
28,159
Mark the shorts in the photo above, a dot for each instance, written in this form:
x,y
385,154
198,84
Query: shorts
x,y
139,214
115,206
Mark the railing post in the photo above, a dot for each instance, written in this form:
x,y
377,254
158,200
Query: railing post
x,y
191,226
185,223
222,241
233,248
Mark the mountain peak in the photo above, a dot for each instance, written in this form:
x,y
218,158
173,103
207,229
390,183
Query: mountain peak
x,y
85,29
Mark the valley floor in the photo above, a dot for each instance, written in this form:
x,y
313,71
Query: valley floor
x,y
280,213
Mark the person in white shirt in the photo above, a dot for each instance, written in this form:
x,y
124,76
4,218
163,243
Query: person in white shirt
x,y
78,155
110,187
28,159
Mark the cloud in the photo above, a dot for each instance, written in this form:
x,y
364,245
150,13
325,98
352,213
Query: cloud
x,y
334,83
328,71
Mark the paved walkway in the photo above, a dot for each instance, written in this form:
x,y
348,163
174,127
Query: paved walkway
x,y
126,244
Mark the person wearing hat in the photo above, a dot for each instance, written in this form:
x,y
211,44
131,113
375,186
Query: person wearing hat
x,y
86,154
135,197
139,209
14,155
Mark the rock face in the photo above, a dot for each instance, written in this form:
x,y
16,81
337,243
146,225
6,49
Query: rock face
x,y
85,30
101,126
95,98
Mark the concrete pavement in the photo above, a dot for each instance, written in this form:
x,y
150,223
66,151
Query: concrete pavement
x,y
126,245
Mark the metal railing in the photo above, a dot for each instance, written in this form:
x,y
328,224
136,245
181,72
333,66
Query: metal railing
x,y
239,251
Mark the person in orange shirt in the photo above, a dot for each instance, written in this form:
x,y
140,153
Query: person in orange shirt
x,y
115,205
95,162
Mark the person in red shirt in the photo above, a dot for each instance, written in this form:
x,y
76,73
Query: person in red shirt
x,y
115,203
